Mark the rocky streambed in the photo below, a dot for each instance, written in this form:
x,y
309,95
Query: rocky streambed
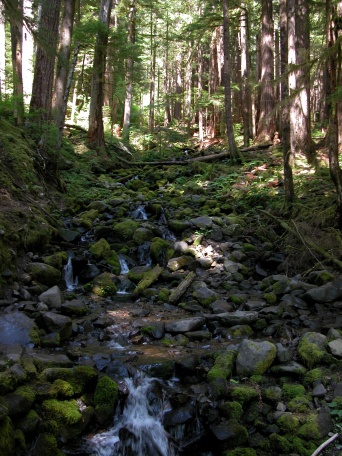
x,y
142,331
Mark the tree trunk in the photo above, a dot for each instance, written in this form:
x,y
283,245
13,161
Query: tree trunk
x,y
302,122
266,123
167,110
245,74
2,53
285,121
27,56
200,94
96,130
61,98
188,86
226,81
333,74
153,31
129,73
17,52
41,100
177,109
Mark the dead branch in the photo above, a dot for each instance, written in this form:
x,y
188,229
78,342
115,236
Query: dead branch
x,y
324,444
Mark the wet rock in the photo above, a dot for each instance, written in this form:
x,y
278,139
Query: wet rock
x,y
230,434
239,317
335,348
183,326
75,307
59,324
17,328
319,389
68,235
291,367
43,273
205,296
52,297
255,358
221,306
178,416
326,293
20,401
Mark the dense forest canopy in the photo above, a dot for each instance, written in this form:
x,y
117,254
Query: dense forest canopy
x,y
253,72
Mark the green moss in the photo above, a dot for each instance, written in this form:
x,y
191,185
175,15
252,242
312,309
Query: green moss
x,y
150,277
80,377
288,422
46,445
291,390
35,336
249,247
240,452
105,398
62,389
301,447
112,258
270,298
223,366
299,404
309,352
29,422
57,260
280,444
310,430
125,230
161,251
235,299
163,295
19,438
231,409
102,285
244,393
313,375
7,437
99,248
64,412
88,217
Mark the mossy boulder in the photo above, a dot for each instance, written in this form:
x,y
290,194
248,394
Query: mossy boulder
x,y
63,412
125,230
57,260
87,218
231,409
20,401
205,296
161,251
288,423
103,285
255,358
142,235
105,399
81,378
150,277
311,348
244,393
112,258
292,390
240,452
223,366
8,381
46,445
99,248
230,434
279,444
137,273
29,422
7,437
44,273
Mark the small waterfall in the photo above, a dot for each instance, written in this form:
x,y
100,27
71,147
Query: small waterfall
x,y
71,282
124,265
138,431
140,213
144,254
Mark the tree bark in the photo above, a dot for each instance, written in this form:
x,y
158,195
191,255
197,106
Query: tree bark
x,y
17,53
226,81
129,73
41,100
2,53
285,121
245,74
96,139
153,31
27,56
61,94
266,122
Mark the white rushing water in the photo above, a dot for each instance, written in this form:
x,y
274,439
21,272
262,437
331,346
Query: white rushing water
x,y
123,265
138,431
140,213
71,282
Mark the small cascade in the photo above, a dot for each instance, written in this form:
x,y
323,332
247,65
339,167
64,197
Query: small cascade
x,y
138,431
140,213
123,265
71,282
144,254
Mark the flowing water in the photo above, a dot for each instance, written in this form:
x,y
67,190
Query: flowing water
x,y
71,282
138,430
140,213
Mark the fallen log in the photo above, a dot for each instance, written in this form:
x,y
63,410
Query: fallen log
x,y
148,279
182,287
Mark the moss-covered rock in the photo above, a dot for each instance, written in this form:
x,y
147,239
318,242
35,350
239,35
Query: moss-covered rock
x,y
125,230
223,366
20,401
150,277
288,422
29,422
81,378
63,412
231,409
244,393
280,444
240,452
112,258
99,248
44,273
57,260
161,251
87,218
313,375
311,348
62,389
103,285
46,445
105,399
7,437
8,381
292,390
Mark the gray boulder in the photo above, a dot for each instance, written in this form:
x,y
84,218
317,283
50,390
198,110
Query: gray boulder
x,y
59,324
255,358
183,326
53,297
